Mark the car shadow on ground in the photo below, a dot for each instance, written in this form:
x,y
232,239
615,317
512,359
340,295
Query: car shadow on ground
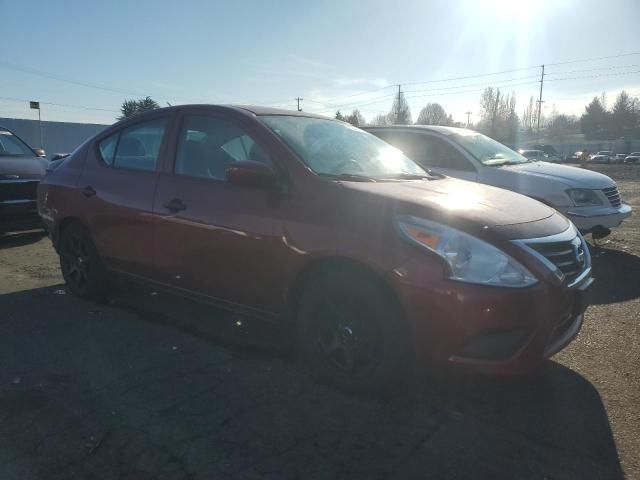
x,y
149,385
616,275
20,239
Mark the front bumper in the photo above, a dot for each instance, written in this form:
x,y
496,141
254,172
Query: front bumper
x,y
587,219
492,330
19,215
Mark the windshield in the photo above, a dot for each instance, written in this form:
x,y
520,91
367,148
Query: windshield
x,y
336,149
487,150
12,146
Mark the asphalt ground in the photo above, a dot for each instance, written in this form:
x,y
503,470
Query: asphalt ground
x,y
151,386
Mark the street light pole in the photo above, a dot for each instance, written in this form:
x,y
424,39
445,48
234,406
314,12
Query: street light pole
x,y
36,106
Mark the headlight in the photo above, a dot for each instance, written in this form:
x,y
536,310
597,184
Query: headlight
x,y
583,197
467,258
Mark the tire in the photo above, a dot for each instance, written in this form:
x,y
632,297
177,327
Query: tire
x,y
351,332
82,269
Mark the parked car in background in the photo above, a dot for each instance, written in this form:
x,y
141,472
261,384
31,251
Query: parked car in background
x,y
591,200
634,157
576,157
539,156
603,156
315,223
21,169
551,153
534,155
619,157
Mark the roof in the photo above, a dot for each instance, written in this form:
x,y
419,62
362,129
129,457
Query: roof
x,y
254,109
429,128
257,110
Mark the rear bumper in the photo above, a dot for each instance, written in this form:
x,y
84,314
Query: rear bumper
x,y
589,219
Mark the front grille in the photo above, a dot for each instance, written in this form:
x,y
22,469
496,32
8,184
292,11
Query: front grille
x,y
613,195
569,256
18,190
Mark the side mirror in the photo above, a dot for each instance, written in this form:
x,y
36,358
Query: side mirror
x,y
251,174
40,152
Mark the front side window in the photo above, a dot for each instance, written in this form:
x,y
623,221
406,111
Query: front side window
x,y
10,145
208,145
136,147
333,148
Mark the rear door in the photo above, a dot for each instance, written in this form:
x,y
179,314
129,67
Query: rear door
x,y
116,191
431,152
212,237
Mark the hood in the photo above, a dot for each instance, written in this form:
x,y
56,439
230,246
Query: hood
x,y
465,204
22,167
570,176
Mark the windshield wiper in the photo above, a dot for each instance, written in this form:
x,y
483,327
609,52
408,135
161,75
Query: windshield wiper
x,y
416,176
349,177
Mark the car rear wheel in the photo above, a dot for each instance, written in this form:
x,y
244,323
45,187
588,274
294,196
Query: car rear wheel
x,y
351,333
82,269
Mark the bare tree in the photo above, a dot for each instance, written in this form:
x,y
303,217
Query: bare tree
x,y
433,114
382,119
355,118
400,111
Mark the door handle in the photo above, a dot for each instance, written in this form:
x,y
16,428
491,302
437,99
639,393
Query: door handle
x,y
88,191
175,205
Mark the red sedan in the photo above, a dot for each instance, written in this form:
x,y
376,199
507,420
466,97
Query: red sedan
x,y
295,217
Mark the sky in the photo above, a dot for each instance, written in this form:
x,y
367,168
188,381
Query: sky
x,y
81,59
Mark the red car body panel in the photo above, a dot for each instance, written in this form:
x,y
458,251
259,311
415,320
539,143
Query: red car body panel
x,y
249,248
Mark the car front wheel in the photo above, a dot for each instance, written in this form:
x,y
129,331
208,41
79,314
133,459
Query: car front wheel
x,y
351,333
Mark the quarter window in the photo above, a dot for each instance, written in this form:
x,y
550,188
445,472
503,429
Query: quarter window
x,y
107,148
136,147
208,145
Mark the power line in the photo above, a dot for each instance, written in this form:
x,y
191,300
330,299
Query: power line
x,y
81,107
482,75
608,57
472,84
59,78
617,74
614,67
468,91
471,76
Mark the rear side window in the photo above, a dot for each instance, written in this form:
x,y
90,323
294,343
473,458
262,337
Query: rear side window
x,y
136,147
427,150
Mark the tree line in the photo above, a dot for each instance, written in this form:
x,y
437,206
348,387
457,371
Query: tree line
x,y
498,116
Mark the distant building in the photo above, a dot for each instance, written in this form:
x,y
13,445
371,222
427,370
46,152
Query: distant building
x,y
57,137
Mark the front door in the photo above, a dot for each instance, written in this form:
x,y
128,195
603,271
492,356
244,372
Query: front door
x,y
210,236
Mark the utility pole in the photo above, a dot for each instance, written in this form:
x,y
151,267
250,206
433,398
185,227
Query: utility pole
x,y
540,102
398,109
495,113
468,117
298,99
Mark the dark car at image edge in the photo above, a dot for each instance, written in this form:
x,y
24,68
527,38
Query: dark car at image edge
x,y
296,218
21,169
